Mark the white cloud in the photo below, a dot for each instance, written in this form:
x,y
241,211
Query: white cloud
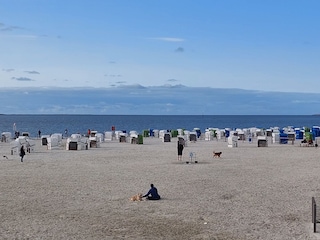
x,y
169,39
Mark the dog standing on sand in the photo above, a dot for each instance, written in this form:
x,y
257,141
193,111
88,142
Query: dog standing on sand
x,y
217,154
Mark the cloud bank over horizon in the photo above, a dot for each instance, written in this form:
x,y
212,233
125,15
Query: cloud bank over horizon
x,y
157,100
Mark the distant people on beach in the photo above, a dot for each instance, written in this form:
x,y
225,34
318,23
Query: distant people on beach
x,y
16,134
22,153
66,133
39,134
152,193
180,147
113,132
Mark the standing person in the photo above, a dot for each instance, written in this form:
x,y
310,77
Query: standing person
x,y
66,132
153,192
180,148
22,153
39,134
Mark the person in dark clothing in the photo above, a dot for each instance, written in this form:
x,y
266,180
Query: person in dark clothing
x,y
153,193
22,153
180,148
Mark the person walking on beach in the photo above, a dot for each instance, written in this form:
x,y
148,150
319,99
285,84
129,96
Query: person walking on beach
x,y
22,153
152,193
180,148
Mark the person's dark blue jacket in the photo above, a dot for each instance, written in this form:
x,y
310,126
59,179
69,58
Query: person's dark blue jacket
x,y
153,192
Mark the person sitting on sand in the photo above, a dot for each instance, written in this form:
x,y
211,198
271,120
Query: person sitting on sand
x,y
153,192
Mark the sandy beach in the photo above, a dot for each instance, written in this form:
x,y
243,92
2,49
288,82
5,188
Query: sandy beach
x,y
248,193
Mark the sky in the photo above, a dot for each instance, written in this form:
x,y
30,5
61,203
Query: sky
x,y
162,100
269,45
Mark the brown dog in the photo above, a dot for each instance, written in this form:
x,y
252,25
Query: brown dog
x,y
217,154
137,197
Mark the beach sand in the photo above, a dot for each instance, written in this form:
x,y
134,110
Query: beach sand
x,y
248,193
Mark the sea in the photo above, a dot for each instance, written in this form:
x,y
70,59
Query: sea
x,y
49,124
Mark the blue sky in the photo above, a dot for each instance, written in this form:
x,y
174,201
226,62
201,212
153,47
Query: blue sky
x,y
254,45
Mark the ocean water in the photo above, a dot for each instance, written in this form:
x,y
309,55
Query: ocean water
x,y
49,124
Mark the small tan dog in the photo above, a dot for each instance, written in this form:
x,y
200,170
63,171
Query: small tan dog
x,y
217,154
137,197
